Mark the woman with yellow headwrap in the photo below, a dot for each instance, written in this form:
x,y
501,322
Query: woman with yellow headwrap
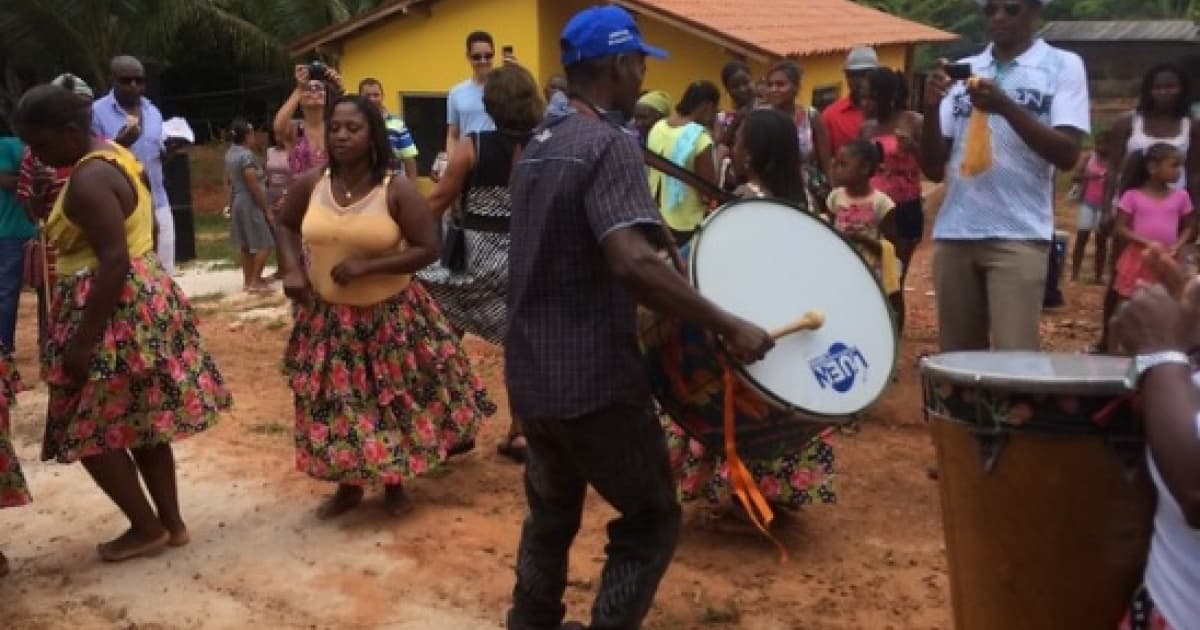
x,y
651,108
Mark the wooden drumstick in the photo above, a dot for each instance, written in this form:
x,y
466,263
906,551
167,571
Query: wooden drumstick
x,y
811,320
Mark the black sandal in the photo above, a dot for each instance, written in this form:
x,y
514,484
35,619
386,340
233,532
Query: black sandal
x,y
462,448
515,453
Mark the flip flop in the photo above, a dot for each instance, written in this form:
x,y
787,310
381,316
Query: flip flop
x,y
150,548
462,448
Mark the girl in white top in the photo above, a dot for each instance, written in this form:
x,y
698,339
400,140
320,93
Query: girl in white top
x,y
1154,322
1162,115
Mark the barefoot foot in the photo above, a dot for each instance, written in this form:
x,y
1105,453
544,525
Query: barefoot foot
x,y
131,545
395,501
179,534
345,499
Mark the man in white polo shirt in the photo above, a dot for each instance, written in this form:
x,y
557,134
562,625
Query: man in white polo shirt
x,y
993,233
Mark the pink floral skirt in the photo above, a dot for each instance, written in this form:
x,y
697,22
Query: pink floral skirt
x,y
381,392
801,478
150,380
13,491
1132,270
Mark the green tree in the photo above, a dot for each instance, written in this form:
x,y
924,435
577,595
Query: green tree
x,y
41,38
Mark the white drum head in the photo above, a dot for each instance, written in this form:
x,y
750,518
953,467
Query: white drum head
x,y
769,263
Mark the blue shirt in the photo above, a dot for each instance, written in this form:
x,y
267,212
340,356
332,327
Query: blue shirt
x,y
108,117
1014,199
559,106
464,108
13,221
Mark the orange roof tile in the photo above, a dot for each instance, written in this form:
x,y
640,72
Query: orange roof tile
x,y
793,27
773,28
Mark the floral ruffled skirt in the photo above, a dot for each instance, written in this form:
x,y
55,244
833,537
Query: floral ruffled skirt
x,y
150,381
13,491
381,392
804,477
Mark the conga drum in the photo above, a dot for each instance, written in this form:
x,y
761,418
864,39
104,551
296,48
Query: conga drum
x,y
770,262
1046,500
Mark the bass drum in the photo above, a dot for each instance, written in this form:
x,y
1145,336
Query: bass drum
x,y
770,262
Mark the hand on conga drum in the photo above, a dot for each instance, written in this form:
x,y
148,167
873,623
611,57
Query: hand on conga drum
x,y
1154,320
746,342
1167,269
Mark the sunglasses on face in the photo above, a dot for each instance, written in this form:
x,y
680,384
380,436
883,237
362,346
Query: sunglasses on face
x,y
131,80
483,57
1011,9
316,88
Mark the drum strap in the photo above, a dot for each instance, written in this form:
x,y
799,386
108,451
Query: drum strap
x,y
744,487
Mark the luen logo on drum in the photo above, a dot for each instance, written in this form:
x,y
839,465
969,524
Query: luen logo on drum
x,y
839,368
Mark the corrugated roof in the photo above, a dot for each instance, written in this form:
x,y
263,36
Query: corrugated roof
x,y
774,28
1121,30
794,27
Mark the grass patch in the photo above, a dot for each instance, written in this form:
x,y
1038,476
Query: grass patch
x,y
206,298
212,239
269,428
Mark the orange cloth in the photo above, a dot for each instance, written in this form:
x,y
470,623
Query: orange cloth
x,y
977,152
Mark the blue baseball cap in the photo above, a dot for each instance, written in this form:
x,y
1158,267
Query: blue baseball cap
x,y
600,32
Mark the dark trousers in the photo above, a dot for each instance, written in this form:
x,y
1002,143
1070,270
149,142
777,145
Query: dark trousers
x,y
621,452
12,263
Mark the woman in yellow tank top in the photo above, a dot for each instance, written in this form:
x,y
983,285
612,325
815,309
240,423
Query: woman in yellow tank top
x,y
125,366
382,387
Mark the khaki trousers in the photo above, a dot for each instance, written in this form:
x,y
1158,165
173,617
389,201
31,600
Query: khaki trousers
x,y
989,293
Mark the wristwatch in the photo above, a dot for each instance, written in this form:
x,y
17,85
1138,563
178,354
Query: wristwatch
x,y
1143,363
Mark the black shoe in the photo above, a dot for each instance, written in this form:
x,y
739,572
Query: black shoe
x,y
572,625
462,448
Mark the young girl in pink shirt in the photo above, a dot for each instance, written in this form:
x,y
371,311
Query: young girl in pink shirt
x,y
1150,213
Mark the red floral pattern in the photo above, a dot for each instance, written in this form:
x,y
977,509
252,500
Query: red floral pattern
x,y
150,381
381,392
13,490
802,477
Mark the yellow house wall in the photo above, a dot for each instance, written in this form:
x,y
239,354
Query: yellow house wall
x,y
427,53
423,53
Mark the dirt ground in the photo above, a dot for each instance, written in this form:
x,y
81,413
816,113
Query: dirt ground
x,y
260,558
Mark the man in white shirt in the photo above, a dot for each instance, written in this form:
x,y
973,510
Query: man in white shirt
x,y
464,106
993,233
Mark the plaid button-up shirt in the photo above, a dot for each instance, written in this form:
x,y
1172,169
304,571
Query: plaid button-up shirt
x,y
571,346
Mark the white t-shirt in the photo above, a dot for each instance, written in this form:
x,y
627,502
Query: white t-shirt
x,y
1173,568
1014,199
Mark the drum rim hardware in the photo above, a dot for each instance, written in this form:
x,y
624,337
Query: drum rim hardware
x,y
1109,382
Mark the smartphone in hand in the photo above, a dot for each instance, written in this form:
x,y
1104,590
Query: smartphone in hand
x,y
958,71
